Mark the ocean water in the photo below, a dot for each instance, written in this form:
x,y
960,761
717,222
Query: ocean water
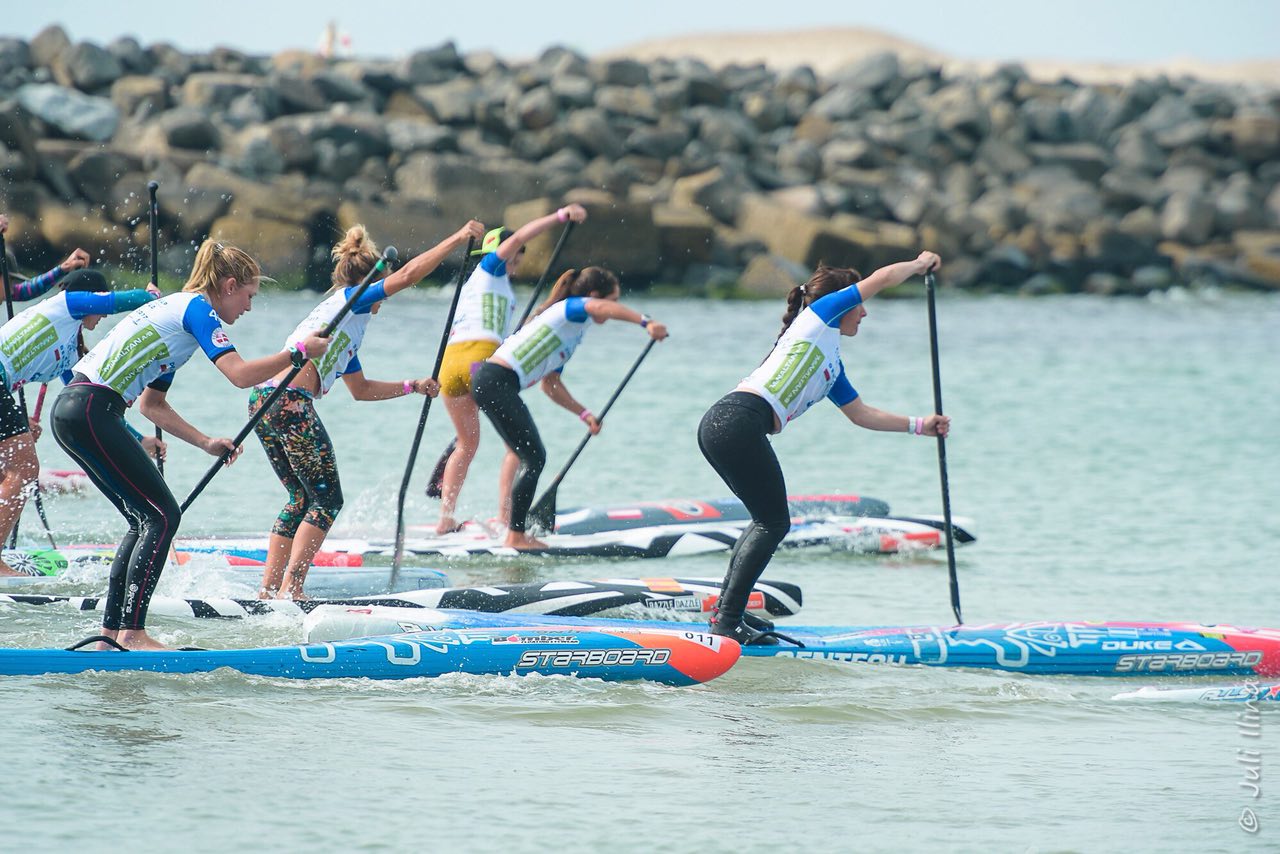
x,y
1117,458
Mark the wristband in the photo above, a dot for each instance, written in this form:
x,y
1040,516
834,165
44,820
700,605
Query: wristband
x,y
584,415
563,214
301,347
298,354
408,386
645,320
916,426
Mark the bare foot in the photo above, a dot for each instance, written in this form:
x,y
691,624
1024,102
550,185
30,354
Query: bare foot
x,y
293,597
7,572
447,525
138,639
268,593
106,647
523,542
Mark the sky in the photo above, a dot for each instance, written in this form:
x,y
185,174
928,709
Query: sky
x,y
1123,31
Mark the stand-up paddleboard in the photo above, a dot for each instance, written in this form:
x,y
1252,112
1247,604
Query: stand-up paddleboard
x,y
649,514
1244,693
643,596
868,535
335,581
1130,649
63,481
674,657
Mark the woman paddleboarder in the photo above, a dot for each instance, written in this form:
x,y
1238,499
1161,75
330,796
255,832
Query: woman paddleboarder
x,y
292,434
38,345
137,361
803,368
538,352
486,316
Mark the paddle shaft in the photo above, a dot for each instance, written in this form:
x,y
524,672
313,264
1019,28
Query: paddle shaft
x,y
22,400
544,510
422,418
283,386
153,220
942,449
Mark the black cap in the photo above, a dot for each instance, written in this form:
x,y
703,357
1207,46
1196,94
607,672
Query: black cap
x,y
84,280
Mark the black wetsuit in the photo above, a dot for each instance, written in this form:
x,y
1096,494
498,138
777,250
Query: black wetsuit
x,y
734,437
496,390
88,422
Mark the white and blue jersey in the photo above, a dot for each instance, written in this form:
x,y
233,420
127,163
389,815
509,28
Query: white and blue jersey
x,y
341,357
545,343
148,346
805,365
487,304
41,343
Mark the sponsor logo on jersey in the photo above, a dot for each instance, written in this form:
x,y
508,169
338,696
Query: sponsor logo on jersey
x,y
220,338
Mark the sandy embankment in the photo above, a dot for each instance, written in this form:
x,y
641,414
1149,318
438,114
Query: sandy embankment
x,y
826,50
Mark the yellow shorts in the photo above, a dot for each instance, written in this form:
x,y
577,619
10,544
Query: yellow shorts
x,y
455,370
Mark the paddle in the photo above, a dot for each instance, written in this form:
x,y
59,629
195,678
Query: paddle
x,y
422,419
942,450
435,484
389,256
153,220
543,513
22,401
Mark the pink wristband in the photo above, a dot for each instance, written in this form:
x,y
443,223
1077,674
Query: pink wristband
x,y
563,214
408,386
301,347
584,415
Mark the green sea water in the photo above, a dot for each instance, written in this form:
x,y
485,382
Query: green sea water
x,y
1117,458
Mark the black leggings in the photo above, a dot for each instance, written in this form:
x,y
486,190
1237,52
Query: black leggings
x,y
497,392
734,437
88,422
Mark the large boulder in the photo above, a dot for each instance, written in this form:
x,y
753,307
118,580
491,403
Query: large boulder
x,y
618,235
87,67
770,276
74,114
215,90
281,249
410,225
463,187
96,171
48,45
1187,218
717,191
66,227
685,235
139,96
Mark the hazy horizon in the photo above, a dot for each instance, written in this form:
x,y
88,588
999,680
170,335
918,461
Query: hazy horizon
x,y
1137,31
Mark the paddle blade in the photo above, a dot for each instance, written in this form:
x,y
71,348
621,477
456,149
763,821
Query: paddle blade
x,y
543,514
435,486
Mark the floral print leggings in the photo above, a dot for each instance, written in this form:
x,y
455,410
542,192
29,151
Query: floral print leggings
x,y
302,456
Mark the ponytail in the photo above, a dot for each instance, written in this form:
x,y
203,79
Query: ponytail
x,y
825,280
574,283
353,256
217,261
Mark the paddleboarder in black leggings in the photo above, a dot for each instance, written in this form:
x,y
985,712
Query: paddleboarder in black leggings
x,y
137,361
538,352
803,368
